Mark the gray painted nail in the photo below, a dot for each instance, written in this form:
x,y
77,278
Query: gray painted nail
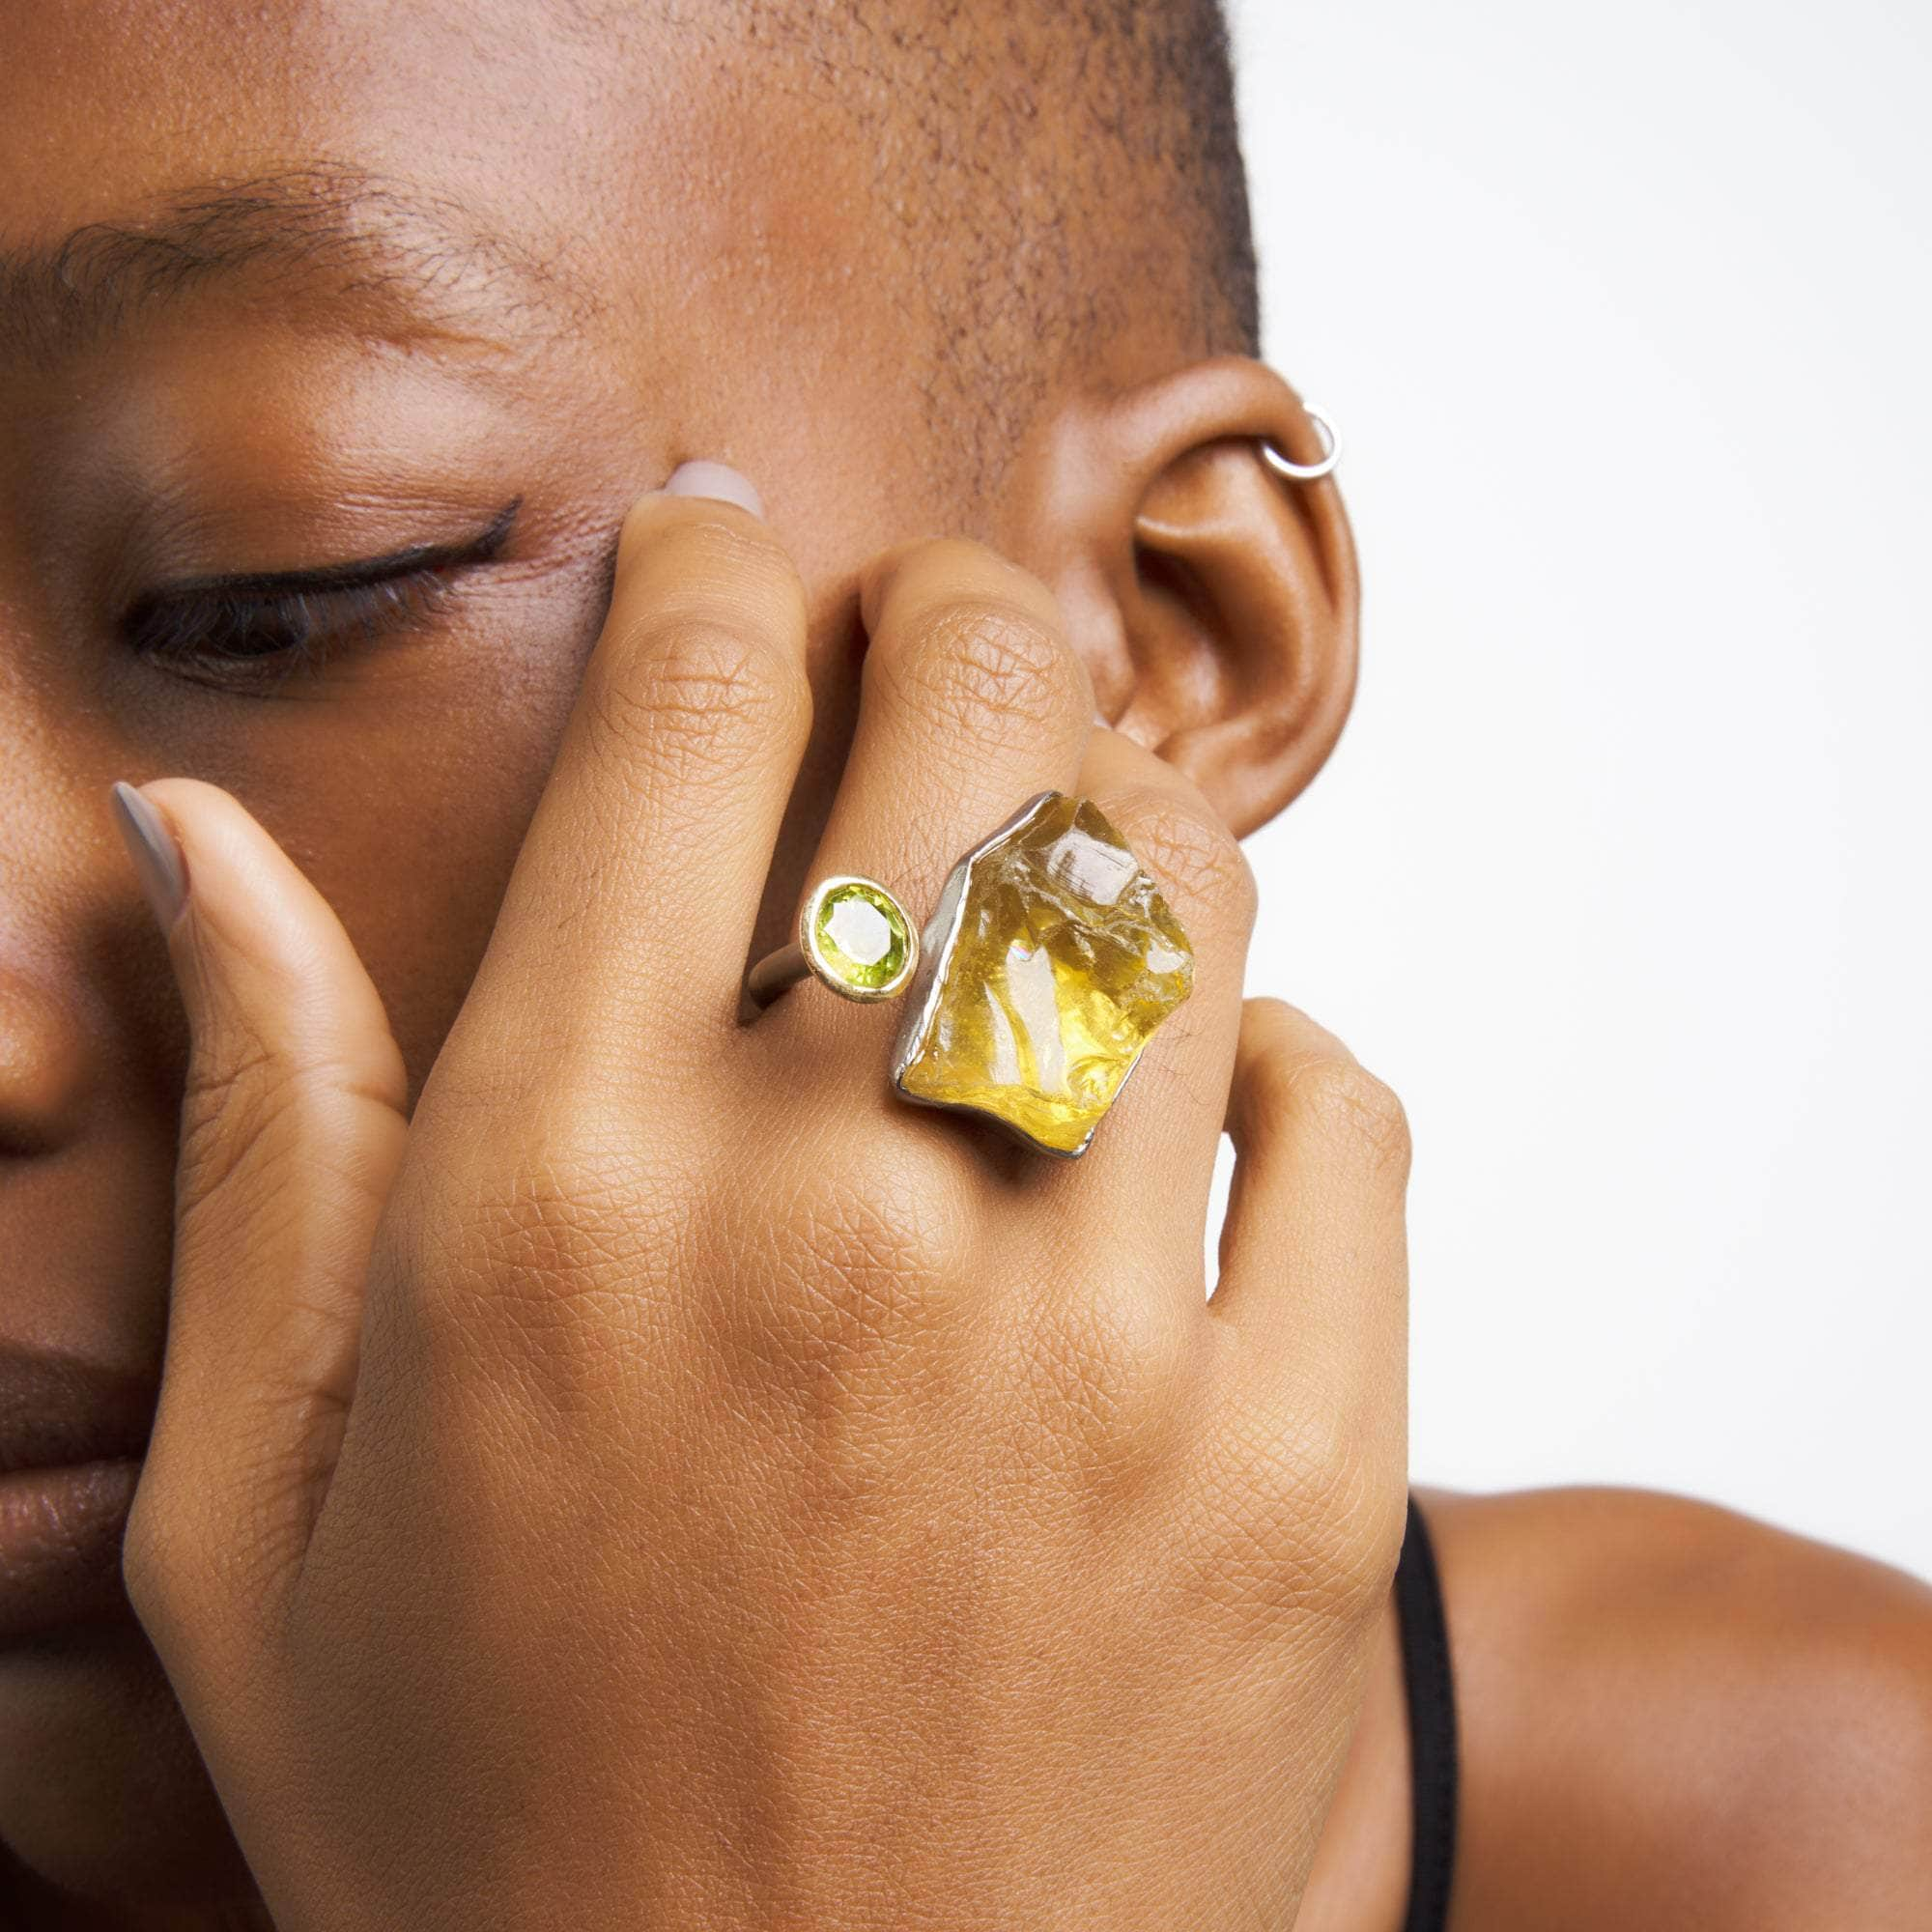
x,y
714,479
157,859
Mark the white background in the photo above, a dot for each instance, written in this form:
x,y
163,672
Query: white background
x,y
1620,872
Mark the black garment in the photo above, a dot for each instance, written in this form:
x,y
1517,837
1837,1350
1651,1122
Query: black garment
x,y
1432,1727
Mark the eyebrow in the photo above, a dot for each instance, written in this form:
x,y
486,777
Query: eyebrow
x,y
399,259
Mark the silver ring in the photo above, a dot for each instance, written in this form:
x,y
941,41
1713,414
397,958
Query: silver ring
x,y
1306,473
1047,964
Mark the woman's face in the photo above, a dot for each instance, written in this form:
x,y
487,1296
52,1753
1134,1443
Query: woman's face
x,y
490,279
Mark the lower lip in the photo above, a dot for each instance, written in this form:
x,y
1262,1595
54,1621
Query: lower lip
x,y
60,1544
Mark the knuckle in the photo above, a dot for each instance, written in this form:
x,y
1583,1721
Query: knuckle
x,y
1307,1525
859,1267
1351,1108
1333,1096
539,1237
548,1250
220,1124
237,1104
831,1317
987,665
1353,1507
690,697
1191,850
1107,1375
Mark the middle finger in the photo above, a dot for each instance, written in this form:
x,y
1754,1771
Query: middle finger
x,y
971,700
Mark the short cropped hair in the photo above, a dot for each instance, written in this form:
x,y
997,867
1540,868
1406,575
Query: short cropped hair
x,y
1066,177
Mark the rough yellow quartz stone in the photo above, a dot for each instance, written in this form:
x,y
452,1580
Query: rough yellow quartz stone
x,y
1050,961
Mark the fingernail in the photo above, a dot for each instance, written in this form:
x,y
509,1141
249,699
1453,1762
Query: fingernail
x,y
157,859
714,479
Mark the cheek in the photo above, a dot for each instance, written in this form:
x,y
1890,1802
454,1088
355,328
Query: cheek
x,y
403,788
414,839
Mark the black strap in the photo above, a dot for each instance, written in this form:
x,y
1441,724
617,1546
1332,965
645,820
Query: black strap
x,y
1432,1727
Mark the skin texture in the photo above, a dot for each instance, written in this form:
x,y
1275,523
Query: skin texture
x,y
697,262
692,1488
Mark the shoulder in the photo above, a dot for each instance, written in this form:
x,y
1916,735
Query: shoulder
x,y
1673,1715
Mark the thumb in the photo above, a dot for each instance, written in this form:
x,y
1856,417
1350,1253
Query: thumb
x,y
292,1129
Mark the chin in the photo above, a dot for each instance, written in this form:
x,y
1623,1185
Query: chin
x,y
103,1797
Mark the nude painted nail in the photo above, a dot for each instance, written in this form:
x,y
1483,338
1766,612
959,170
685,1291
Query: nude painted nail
x,y
157,859
714,479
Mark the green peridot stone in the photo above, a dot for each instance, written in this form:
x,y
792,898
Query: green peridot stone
x,y
860,936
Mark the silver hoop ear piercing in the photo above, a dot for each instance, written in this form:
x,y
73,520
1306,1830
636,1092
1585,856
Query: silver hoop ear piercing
x,y
1306,473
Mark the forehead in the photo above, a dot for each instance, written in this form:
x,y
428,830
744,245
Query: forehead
x,y
102,98
521,161
685,228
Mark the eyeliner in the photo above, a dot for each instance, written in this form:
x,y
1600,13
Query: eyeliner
x,y
355,576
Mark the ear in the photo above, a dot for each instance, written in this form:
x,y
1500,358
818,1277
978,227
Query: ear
x,y
1215,601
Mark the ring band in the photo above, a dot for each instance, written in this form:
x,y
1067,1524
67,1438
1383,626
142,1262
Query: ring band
x,y
1046,968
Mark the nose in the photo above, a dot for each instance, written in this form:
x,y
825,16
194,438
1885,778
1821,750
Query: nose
x,y
89,1099
44,1065
93,1040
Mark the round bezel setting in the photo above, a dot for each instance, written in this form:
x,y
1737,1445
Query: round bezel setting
x,y
856,938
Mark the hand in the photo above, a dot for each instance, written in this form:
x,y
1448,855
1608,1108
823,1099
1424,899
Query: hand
x,y
666,1480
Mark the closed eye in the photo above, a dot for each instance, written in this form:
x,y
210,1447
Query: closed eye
x,y
229,631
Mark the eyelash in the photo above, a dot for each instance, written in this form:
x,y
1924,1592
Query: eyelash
x,y
204,629
210,631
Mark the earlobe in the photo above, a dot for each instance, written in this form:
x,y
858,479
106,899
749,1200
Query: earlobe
x,y
1216,600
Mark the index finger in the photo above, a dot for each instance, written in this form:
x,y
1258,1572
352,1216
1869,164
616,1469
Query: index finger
x,y
630,909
